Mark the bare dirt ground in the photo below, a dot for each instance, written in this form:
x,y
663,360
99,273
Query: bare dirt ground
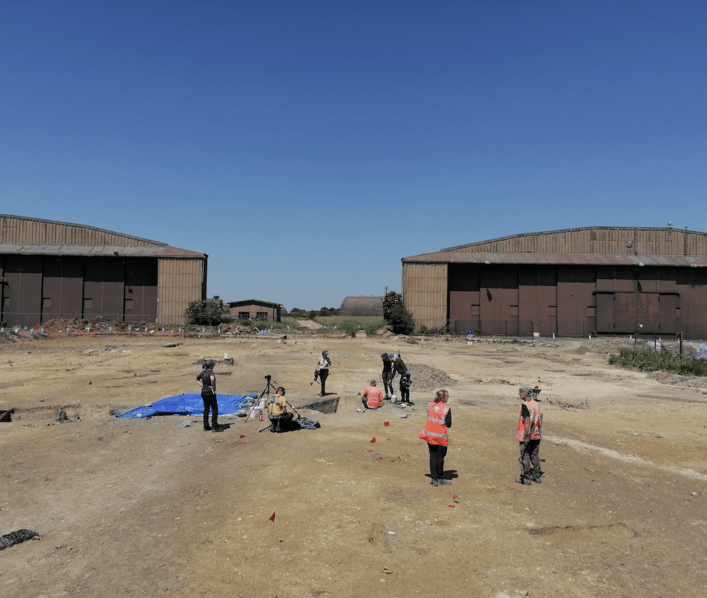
x,y
146,508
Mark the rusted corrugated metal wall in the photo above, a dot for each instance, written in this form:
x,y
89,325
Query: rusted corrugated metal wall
x,y
425,293
179,283
634,241
14,229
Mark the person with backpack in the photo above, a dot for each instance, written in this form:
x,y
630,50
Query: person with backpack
x,y
207,380
277,411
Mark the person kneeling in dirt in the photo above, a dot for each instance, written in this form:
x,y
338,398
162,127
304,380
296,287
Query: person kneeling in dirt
x,y
529,427
207,379
277,411
372,396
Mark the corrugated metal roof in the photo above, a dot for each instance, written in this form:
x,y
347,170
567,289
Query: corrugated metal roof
x,y
572,230
97,250
84,226
568,259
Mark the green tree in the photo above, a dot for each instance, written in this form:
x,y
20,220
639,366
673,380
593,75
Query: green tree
x,y
390,300
205,313
401,320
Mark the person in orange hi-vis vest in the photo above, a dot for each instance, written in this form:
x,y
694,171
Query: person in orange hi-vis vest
x,y
528,434
372,396
439,418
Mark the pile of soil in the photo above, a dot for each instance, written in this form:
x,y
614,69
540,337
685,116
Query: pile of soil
x,y
426,377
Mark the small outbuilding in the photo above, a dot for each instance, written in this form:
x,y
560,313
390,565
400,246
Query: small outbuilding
x,y
255,309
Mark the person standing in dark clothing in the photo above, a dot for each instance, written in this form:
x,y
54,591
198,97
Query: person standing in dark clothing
x,y
323,367
405,384
399,366
439,419
207,379
388,375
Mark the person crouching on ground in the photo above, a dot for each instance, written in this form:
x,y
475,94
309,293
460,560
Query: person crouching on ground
x,y
529,425
439,418
372,396
207,380
277,411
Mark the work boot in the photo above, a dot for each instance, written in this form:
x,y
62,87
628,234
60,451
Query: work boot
x,y
207,428
445,482
537,480
525,481
434,482
217,428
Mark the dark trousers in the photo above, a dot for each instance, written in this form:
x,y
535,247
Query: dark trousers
x,y
437,455
210,403
279,423
388,382
529,459
323,375
404,395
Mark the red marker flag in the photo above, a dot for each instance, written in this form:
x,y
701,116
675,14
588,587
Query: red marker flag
x,y
386,423
373,439
452,506
369,451
241,436
455,496
272,517
47,480
90,382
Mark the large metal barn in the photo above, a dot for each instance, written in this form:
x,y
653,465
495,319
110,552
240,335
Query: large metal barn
x,y
600,280
59,270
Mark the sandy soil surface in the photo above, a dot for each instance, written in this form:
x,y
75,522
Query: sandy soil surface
x,y
148,508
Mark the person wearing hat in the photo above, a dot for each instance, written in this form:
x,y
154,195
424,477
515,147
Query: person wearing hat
x,y
529,427
277,411
207,380
388,374
323,367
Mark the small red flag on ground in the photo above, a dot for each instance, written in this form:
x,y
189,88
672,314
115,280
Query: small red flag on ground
x,y
455,496
90,382
241,436
386,423
47,480
452,506
135,374
369,451
272,517
373,439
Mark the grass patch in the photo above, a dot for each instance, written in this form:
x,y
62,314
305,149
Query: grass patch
x,y
650,361
351,325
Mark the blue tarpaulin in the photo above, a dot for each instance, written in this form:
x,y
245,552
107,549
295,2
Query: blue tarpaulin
x,y
189,404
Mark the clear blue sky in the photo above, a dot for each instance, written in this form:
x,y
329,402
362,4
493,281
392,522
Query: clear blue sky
x,y
307,146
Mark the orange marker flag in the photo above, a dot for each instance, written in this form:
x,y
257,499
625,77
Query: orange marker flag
x,y
373,439
272,517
